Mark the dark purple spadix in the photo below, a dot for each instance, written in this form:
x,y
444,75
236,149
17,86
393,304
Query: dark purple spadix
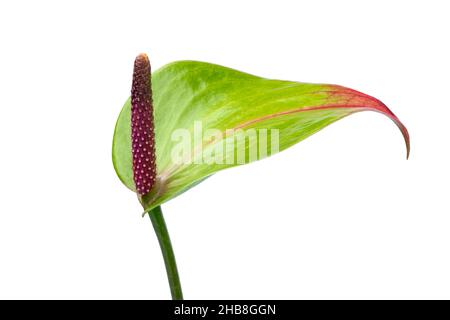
x,y
142,127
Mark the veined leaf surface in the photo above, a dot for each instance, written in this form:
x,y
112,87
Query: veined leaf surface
x,y
187,94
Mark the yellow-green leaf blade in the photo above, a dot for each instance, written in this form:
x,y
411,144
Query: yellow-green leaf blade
x,y
188,93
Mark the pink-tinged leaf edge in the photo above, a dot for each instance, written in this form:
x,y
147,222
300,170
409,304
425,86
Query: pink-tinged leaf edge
x,y
343,97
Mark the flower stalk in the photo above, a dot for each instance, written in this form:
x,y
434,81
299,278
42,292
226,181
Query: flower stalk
x,y
157,218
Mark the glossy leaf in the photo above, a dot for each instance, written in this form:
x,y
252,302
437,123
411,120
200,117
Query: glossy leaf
x,y
189,93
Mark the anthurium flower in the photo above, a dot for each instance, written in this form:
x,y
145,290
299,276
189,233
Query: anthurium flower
x,y
219,98
190,119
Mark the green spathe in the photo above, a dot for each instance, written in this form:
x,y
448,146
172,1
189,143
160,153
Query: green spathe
x,y
224,100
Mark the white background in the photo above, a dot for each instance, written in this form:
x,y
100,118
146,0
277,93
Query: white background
x,y
341,215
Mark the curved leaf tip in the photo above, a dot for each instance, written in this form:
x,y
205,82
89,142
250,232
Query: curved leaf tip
x,y
362,102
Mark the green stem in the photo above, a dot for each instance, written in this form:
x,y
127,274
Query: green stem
x,y
156,216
